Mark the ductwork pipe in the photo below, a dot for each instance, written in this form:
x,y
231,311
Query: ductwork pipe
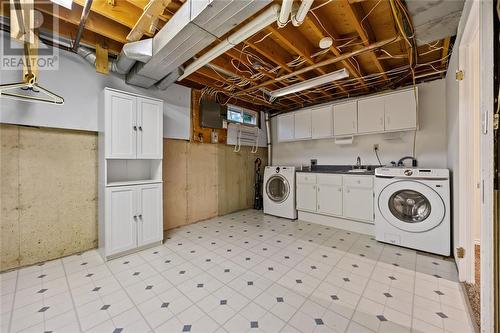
x,y
267,17
269,144
131,53
300,16
286,9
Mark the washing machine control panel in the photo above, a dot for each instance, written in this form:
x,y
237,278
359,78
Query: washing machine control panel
x,y
411,173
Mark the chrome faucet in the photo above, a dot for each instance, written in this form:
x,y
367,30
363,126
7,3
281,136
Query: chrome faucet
x,y
358,162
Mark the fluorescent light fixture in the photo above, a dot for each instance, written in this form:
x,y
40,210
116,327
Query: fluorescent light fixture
x,y
304,85
64,3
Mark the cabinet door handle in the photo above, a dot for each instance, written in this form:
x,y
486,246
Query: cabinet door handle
x,y
135,128
347,190
140,216
140,128
318,188
135,217
340,189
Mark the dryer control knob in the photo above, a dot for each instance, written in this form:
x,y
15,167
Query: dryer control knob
x,y
408,172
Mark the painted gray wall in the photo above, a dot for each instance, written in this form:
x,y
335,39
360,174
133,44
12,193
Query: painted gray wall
x,y
80,86
431,144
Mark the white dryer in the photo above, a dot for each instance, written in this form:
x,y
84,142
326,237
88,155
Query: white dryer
x,y
412,208
279,191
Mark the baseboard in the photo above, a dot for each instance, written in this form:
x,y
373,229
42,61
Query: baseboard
x,y
336,222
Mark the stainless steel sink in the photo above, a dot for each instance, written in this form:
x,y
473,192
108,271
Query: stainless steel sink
x,y
358,170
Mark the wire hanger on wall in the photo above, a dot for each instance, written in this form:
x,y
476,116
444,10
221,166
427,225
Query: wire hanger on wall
x,y
30,82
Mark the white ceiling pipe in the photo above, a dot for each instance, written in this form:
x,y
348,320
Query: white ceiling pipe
x,y
267,17
308,84
300,16
286,9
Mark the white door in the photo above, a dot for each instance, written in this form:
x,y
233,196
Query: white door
x,y
401,110
150,214
121,219
345,118
371,115
306,197
322,122
121,125
302,125
330,199
286,127
358,198
150,129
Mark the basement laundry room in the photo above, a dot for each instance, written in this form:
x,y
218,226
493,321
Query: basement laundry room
x,y
241,166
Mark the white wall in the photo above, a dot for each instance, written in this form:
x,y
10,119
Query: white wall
x,y
431,144
80,86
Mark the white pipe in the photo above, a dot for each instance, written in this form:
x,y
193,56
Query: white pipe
x,y
260,22
269,142
286,9
300,16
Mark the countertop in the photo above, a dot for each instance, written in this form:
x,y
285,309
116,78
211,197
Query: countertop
x,y
340,169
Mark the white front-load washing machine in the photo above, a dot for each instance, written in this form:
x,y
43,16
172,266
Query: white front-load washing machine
x,y
279,191
412,208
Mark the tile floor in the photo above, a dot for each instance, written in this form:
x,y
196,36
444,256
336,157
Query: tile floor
x,y
244,272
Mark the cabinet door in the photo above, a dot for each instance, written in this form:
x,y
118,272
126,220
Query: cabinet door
x,y
371,115
400,111
345,118
121,125
150,214
330,199
150,128
121,219
286,127
322,122
358,203
306,197
302,125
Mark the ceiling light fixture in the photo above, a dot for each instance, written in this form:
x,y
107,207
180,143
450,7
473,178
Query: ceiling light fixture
x,y
325,42
304,85
64,3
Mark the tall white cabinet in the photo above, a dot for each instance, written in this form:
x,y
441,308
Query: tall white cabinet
x,y
130,172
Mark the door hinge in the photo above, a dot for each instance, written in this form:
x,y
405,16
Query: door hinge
x,y
460,252
459,75
496,120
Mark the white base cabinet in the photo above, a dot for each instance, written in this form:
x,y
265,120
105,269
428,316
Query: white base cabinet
x,y
346,196
133,217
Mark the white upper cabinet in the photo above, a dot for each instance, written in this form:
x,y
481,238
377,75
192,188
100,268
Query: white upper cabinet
x,y
322,122
400,111
345,118
150,128
286,127
302,125
133,126
121,125
371,113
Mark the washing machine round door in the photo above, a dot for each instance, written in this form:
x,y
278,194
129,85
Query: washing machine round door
x,y
411,206
277,188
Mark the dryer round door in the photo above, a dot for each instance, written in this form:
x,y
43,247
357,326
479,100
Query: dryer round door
x,y
277,188
411,206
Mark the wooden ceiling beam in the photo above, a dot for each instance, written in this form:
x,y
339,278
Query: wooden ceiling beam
x,y
313,26
445,51
89,38
223,63
95,22
148,19
271,53
122,11
298,46
330,61
365,32
204,77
